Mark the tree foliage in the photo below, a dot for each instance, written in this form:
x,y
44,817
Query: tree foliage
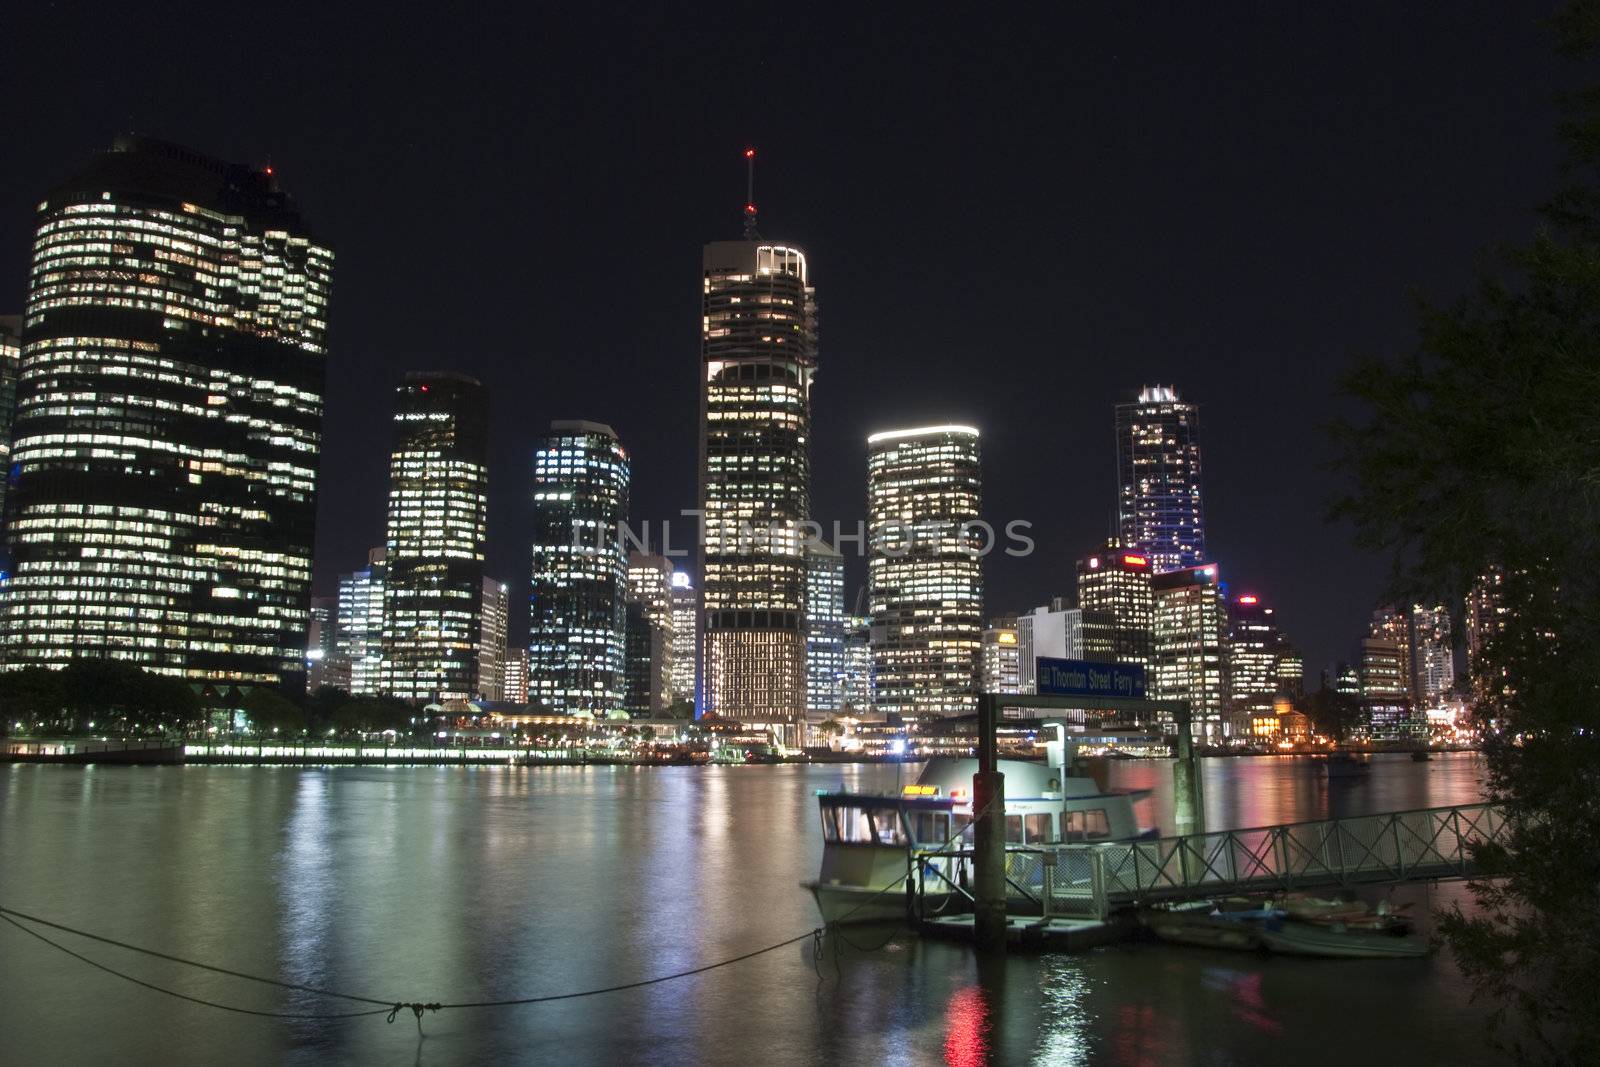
x,y
1479,454
114,696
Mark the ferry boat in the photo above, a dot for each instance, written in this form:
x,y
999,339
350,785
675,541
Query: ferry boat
x,y
867,839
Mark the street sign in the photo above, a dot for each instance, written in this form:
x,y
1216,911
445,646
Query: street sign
x,y
1080,678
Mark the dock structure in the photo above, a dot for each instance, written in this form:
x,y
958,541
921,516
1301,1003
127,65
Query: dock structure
x,y
1093,882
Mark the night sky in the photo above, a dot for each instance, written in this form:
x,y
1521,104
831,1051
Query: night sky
x,y
1012,221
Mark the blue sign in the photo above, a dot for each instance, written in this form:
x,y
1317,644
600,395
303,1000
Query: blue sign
x,y
1083,678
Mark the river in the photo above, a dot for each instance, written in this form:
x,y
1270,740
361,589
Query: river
x,y
484,883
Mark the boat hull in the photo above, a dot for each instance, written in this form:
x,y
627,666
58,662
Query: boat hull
x,y
1307,939
848,905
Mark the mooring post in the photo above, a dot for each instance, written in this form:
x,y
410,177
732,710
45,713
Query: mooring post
x,y
989,837
1188,798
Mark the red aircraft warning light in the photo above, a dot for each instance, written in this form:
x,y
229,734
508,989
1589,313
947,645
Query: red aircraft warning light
x,y
1248,598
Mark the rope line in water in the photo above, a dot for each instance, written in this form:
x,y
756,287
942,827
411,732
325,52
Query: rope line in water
x,y
391,1007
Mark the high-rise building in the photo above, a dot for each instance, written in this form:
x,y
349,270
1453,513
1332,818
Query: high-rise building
x,y
163,470
685,606
438,522
998,669
1158,479
1433,665
10,368
1191,655
650,586
924,569
359,640
855,690
1254,646
580,571
1115,583
1385,684
323,665
758,356
825,628
494,620
515,690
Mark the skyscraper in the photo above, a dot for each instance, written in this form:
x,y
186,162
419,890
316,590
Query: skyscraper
x,y
758,356
323,665
168,421
825,627
1116,584
359,639
1433,665
1056,631
684,609
650,653
1158,479
1254,646
438,521
580,573
999,660
515,689
494,620
924,569
10,367
1191,655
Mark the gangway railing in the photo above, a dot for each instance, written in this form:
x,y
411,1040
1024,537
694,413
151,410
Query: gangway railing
x,y
1095,879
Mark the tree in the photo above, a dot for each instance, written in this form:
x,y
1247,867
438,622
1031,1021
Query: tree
x,y
1331,712
1480,452
270,711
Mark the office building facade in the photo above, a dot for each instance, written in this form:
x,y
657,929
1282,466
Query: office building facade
x,y
758,359
1115,584
359,634
163,465
924,569
494,619
685,658
437,525
825,628
1159,514
580,573
1000,658
1191,653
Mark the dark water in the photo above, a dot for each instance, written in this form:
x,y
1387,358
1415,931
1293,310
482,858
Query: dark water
x,y
461,884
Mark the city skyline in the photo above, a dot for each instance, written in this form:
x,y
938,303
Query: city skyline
x,y
1165,292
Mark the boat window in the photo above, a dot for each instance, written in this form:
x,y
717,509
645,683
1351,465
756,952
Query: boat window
x,y
1036,828
830,824
1085,825
933,828
890,830
854,826
1013,829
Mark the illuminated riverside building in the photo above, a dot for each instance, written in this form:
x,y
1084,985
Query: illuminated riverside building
x,y
1056,631
1191,656
515,689
494,620
999,660
1115,583
758,357
168,420
855,690
359,632
10,367
438,520
1433,665
580,571
1254,646
685,606
825,628
649,649
924,571
1158,479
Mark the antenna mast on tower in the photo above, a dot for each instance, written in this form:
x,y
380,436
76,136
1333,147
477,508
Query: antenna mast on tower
x,y
750,195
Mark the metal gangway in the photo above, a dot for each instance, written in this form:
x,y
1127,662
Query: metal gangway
x,y
1092,880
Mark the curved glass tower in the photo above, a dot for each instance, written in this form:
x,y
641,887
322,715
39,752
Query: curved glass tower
x,y
580,572
169,416
758,348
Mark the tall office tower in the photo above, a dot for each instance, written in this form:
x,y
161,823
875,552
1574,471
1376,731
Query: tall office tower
x,y
169,414
1254,646
515,690
1191,655
494,620
1290,671
1158,479
924,571
999,659
638,659
1385,691
580,571
323,666
684,608
1433,665
360,627
855,689
1115,583
10,367
650,586
825,628
1393,624
438,521
758,357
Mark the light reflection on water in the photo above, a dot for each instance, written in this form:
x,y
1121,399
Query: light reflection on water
x,y
480,883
